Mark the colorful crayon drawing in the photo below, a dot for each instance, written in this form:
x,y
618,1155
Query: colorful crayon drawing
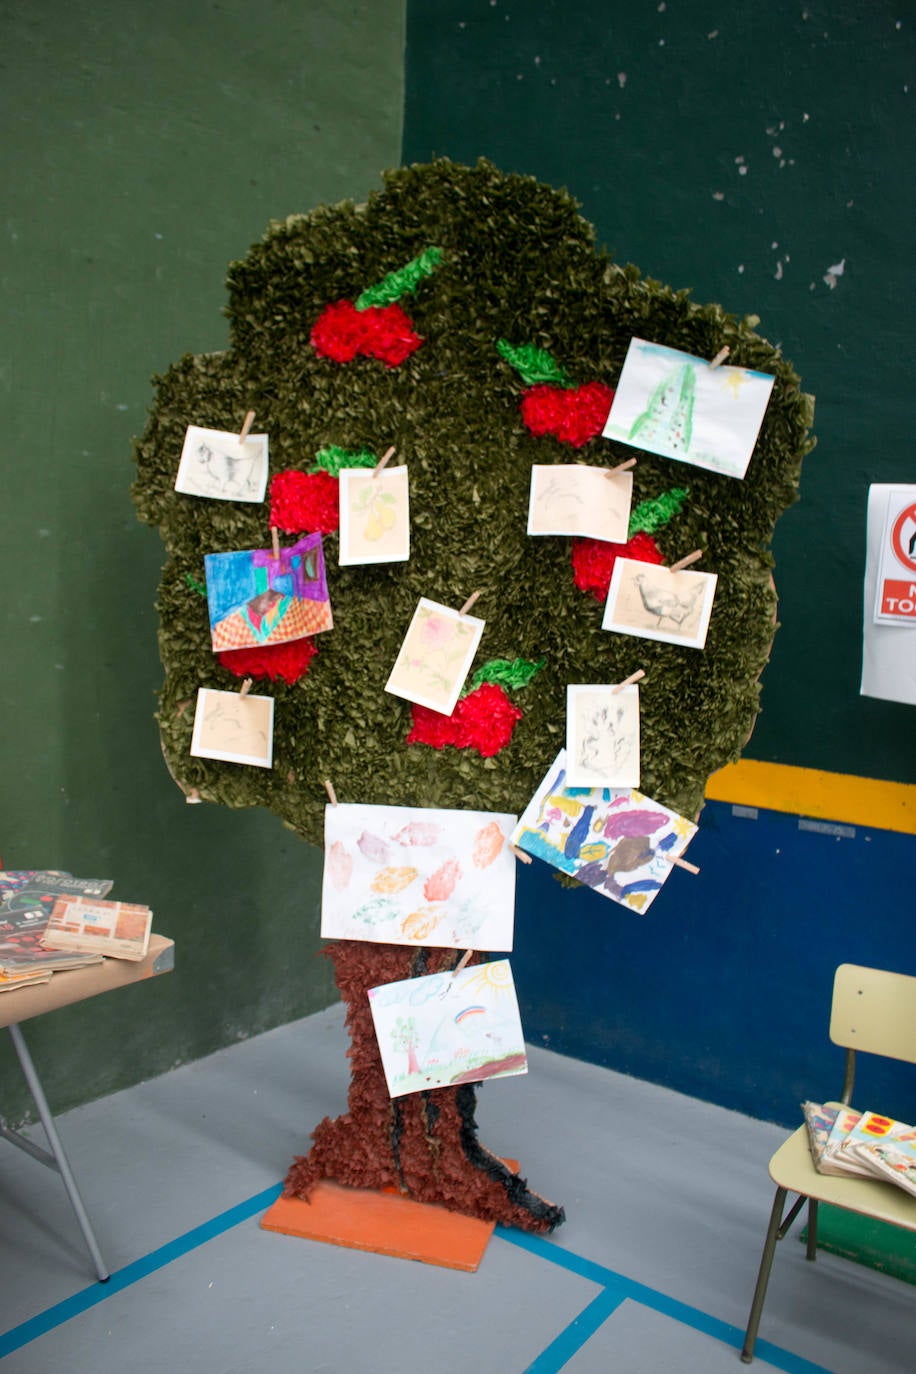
x,y
449,1028
256,599
374,516
214,464
655,603
602,736
403,875
616,841
574,499
676,405
233,728
435,656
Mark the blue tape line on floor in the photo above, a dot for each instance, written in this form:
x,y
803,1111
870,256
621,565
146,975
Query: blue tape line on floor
x,y
618,1288
561,1350
80,1302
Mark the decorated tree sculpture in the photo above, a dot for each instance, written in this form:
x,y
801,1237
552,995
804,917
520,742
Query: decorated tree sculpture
x,y
466,318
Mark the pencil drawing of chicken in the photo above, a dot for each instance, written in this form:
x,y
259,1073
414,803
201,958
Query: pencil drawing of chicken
x,y
664,603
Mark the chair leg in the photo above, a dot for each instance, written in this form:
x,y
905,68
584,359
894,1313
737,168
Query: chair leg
x,y
60,1158
763,1276
811,1252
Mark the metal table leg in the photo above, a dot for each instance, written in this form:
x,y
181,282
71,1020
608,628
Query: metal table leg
x,y
57,1159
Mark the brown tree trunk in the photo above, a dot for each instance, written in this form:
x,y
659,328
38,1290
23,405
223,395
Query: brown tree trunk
x,y
424,1144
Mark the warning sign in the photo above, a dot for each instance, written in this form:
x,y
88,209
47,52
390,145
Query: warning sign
x,y
895,602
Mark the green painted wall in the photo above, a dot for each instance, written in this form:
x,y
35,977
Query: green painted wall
x,y
145,147
739,150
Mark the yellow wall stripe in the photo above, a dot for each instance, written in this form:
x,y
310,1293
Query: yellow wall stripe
x,y
826,796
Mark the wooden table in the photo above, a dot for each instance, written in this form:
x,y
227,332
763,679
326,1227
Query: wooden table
x,y
64,989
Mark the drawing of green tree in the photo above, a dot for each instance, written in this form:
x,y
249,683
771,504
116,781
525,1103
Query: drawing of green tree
x,y
406,1037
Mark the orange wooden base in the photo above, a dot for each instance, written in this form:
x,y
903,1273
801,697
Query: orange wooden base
x,y
385,1223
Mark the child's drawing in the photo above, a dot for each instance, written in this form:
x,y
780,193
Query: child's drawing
x,y
614,840
602,736
655,603
374,516
408,876
214,464
575,499
671,403
449,1028
435,656
233,728
256,599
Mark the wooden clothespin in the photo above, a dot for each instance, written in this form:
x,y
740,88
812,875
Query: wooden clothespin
x,y
329,788
720,357
520,854
678,863
246,686
382,461
249,421
462,961
275,541
193,797
469,603
622,467
686,562
628,681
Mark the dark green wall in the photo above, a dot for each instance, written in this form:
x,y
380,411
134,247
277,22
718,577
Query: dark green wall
x,y
647,113
145,147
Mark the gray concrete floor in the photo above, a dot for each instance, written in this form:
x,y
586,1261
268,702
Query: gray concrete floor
x,y
667,1200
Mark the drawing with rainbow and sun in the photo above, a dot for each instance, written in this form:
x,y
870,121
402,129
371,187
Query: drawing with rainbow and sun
x,y
449,1028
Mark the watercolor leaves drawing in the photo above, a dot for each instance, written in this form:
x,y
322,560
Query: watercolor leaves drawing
x,y
418,876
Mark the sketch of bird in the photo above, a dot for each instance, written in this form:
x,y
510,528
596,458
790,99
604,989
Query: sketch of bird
x,y
666,605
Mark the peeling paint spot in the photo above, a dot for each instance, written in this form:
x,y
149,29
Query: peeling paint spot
x,y
742,171
622,79
778,272
833,274
718,195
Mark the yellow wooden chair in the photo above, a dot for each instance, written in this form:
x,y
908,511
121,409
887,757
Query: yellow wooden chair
x,y
873,1011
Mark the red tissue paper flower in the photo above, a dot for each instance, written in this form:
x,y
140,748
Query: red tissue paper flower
x,y
380,331
571,414
305,502
593,560
289,661
483,720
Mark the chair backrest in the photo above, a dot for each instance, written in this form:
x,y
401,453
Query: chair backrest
x,y
874,1011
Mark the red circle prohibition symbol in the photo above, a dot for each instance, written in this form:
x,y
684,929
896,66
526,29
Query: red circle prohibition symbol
x,y
906,556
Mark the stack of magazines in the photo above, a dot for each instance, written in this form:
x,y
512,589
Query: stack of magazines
x,y
50,921
845,1142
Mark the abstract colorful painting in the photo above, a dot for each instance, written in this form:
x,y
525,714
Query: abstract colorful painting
x,y
435,656
571,498
374,516
616,841
233,728
214,464
449,1028
418,876
676,405
655,603
602,736
257,599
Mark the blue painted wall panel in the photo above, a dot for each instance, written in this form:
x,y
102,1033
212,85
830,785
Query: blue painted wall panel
x,y
722,990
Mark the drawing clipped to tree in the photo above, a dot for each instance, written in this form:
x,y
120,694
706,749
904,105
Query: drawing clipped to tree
x,y
500,270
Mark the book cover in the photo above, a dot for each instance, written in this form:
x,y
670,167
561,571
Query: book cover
x,y
120,930
870,1127
846,1118
819,1118
21,929
894,1159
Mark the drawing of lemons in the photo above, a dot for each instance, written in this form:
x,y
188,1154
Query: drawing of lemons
x,y
393,879
381,517
420,923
